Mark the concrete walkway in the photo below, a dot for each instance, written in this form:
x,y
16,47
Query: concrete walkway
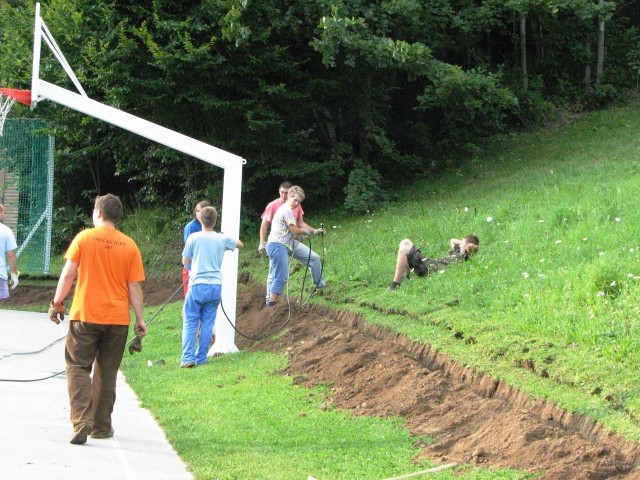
x,y
34,416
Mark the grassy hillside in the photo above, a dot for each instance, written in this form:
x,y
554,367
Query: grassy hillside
x,y
550,304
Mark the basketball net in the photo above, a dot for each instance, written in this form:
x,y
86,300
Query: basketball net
x,y
9,96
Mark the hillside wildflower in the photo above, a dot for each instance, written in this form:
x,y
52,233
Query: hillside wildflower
x,y
489,219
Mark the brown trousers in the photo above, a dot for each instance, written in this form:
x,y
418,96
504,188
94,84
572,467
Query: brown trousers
x,y
101,347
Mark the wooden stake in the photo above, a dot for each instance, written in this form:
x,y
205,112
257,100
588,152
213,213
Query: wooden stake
x,y
423,472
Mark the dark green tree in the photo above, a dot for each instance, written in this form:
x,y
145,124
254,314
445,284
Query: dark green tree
x,y
310,90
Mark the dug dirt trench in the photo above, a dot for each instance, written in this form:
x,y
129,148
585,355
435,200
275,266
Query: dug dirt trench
x,y
473,419
374,372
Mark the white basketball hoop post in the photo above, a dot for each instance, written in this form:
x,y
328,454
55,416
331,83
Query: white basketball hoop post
x,y
6,102
232,165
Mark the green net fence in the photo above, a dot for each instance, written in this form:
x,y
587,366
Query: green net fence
x,y
26,190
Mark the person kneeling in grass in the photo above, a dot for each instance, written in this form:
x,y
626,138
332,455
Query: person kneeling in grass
x,y
411,259
203,251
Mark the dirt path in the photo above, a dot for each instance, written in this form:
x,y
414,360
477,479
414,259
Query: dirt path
x,y
377,373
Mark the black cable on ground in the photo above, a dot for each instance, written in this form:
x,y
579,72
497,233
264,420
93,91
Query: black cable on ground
x,y
158,312
17,380
61,338
304,277
315,287
281,327
256,339
35,351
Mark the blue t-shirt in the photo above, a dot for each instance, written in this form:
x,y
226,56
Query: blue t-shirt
x,y
192,227
205,250
7,243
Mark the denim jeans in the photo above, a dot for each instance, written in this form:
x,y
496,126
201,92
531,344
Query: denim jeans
x,y
200,308
301,253
278,267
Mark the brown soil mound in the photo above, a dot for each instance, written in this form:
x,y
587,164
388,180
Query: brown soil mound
x,y
156,292
473,420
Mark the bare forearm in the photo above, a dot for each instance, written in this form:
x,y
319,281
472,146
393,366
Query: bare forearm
x,y
137,304
303,224
65,282
13,261
264,226
296,230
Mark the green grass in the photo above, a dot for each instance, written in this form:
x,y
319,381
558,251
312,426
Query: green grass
x,y
557,278
556,284
237,417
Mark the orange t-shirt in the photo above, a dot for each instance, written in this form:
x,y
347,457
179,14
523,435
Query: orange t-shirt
x,y
107,261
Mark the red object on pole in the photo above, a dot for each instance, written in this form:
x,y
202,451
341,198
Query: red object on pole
x,y
20,96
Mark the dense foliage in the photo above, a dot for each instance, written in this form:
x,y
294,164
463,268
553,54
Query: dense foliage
x,y
312,90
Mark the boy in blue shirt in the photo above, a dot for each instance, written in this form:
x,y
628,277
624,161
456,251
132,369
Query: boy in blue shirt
x,y
193,226
203,253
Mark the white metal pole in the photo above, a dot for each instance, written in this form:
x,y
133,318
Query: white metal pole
x,y
137,125
232,165
230,212
35,68
231,193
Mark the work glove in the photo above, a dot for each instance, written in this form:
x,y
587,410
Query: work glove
x,y
56,313
262,249
319,231
135,345
14,280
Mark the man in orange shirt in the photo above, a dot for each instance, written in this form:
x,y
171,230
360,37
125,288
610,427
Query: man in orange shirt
x,y
109,269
